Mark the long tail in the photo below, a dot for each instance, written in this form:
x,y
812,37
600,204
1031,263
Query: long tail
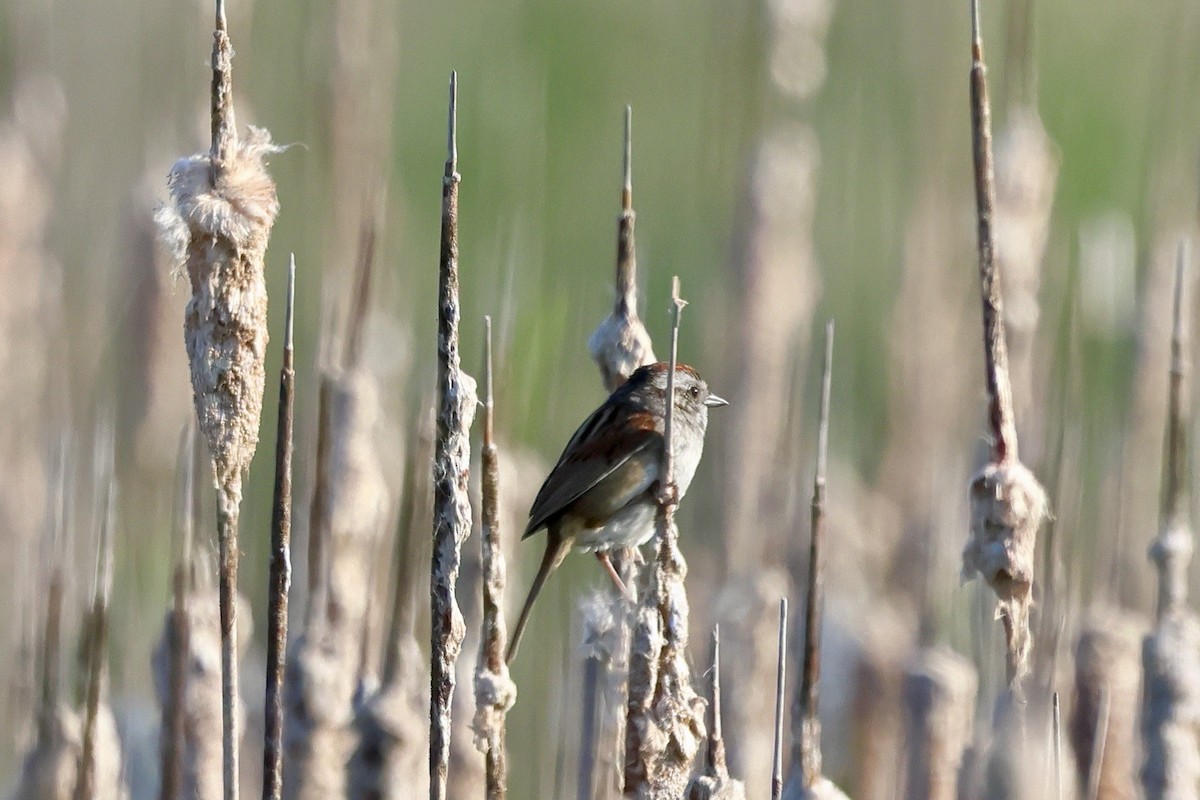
x,y
556,551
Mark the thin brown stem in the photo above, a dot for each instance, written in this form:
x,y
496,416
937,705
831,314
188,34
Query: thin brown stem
x,y
780,679
716,766
493,687
224,129
173,712
1056,723
227,547
97,638
807,738
280,569
1000,407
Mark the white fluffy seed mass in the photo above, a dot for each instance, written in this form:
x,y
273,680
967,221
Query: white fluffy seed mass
x,y
217,224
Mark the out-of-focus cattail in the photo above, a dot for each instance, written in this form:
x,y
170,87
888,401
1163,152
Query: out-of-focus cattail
x,y
665,726
939,702
451,469
878,700
1171,654
1104,714
51,769
1008,504
349,507
714,783
200,760
217,223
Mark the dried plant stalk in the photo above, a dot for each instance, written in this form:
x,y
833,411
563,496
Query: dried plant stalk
x,y
1007,502
223,204
621,344
665,724
452,464
280,577
495,693
1107,682
176,634
201,759
96,643
780,680
715,783
939,700
1171,655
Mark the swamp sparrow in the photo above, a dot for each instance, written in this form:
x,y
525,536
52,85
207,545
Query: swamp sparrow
x,y
602,493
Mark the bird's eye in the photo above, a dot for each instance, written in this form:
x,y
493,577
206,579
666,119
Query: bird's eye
x,y
694,391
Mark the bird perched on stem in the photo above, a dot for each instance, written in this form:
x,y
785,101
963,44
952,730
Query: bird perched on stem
x,y
602,493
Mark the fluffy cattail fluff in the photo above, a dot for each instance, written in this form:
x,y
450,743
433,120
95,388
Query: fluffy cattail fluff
x,y
1107,681
217,224
939,699
1007,507
50,770
201,757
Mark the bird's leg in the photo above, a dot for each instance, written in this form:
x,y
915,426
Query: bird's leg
x,y
602,557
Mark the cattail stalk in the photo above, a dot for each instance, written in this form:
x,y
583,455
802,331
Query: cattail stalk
x,y
1007,502
97,645
495,693
280,570
715,783
223,204
664,725
179,648
452,463
780,681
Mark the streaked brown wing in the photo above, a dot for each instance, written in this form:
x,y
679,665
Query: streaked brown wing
x,y
594,453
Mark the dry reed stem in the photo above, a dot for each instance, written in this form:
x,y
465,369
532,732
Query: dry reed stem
x,y
780,678
495,693
939,700
621,344
715,783
1007,502
665,721
1172,550
280,571
1056,746
96,638
223,204
452,464
806,720
176,634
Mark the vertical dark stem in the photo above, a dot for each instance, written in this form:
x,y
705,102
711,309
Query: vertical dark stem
x,y
280,570
715,755
174,713
626,251
808,740
492,585
97,638
780,679
1000,408
227,547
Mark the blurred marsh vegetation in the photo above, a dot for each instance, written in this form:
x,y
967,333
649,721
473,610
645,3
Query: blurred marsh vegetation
x,y
870,222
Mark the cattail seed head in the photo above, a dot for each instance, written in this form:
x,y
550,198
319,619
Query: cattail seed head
x,y
217,224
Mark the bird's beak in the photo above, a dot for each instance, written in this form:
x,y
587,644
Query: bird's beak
x,y
712,401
